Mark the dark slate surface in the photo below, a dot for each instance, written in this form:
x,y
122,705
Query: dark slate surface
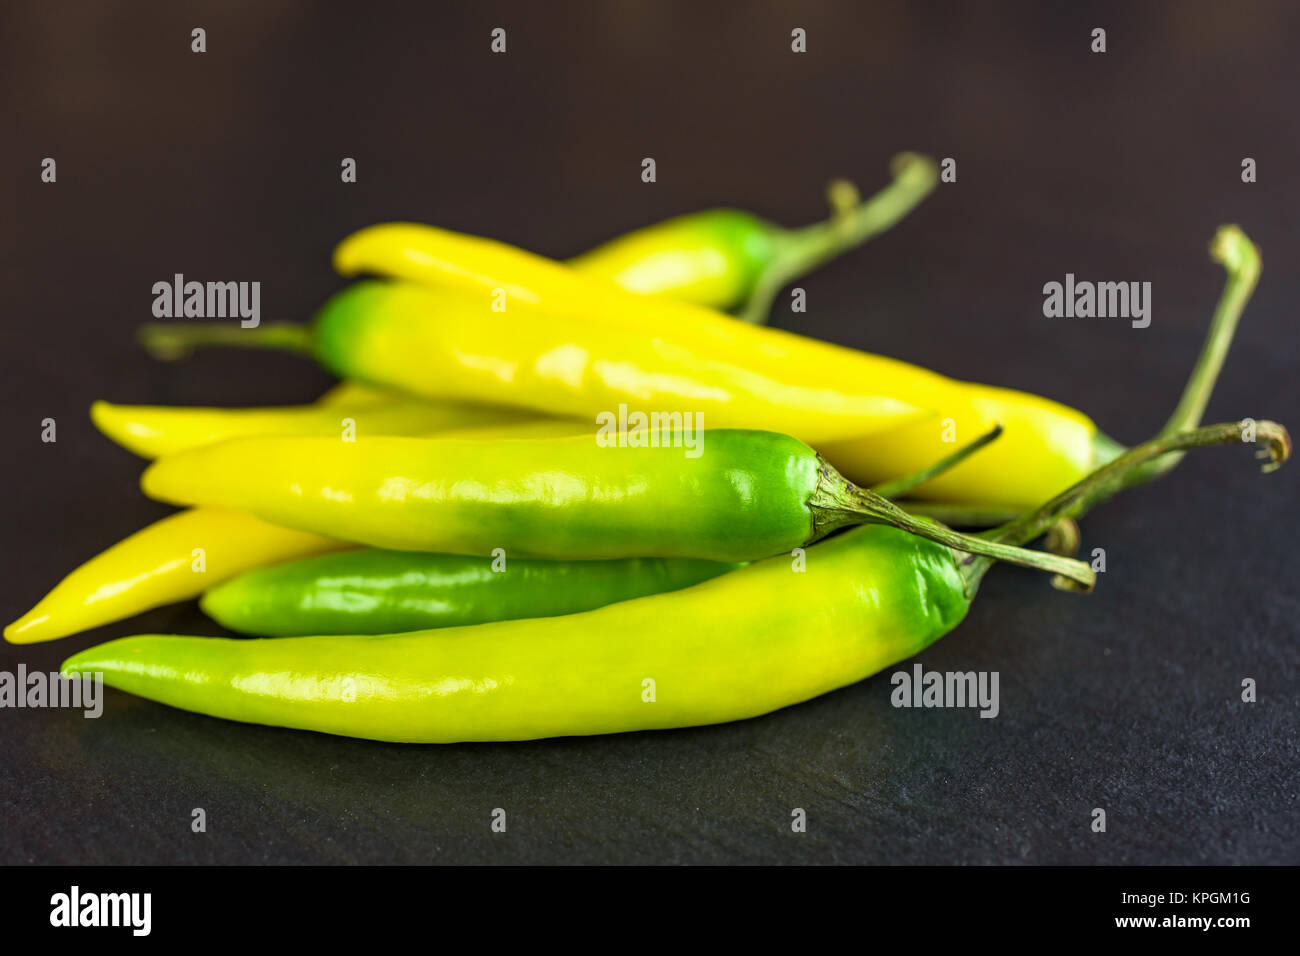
x,y
1117,166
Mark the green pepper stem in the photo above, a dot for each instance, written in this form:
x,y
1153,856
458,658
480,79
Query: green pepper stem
x,y
1129,469
960,514
901,486
1240,258
168,341
800,251
837,502
1063,537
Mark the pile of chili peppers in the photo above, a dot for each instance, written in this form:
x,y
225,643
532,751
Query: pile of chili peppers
x,y
454,544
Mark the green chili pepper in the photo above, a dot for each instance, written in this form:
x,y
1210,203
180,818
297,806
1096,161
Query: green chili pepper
x,y
378,592
372,591
731,260
747,495
743,644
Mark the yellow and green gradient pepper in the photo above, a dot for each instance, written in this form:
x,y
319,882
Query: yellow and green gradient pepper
x,y
160,564
733,647
157,565
725,259
154,570
744,496
734,261
373,591
736,646
573,345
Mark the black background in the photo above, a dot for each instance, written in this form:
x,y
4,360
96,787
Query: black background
x,y
1116,166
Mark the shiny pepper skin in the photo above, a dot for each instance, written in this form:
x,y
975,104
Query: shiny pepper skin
x,y
372,591
747,495
171,560
740,645
711,258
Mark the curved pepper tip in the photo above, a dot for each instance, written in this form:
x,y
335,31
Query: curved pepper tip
x,y
93,660
355,252
72,667
104,416
215,602
25,630
154,480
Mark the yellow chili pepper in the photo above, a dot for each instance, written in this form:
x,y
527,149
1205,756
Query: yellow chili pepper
x,y
171,560
152,431
607,346
1045,446
355,393
156,565
449,344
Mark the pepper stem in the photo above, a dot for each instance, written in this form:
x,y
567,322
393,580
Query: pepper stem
x,y
168,342
837,502
1129,469
1240,258
800,251
960,514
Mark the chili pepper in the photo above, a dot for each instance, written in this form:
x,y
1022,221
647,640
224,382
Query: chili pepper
x,y
610,347
733,647
445,343
397,495
978,507
373,591
728,260
753,494
722,258
354,393
171,560
155,430
377,592
155,566
1046,446
383,330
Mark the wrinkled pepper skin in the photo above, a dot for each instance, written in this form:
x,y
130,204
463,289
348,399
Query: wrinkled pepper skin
x,y
746,496
712,258
737,646
380,592
157,566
